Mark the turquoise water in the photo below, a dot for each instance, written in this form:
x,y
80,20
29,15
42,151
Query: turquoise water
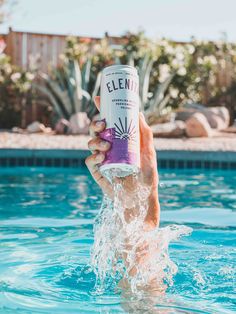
x,y
46,233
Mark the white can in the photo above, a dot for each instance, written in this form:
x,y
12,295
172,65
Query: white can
x,y
120,110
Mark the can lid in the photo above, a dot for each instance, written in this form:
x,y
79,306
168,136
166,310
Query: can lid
x,y
123,67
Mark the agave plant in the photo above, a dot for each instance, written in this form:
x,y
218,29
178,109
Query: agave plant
x,y
69,89
152,103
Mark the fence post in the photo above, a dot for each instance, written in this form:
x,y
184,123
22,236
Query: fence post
x,y
9,43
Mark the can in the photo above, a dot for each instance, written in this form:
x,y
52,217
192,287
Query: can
x,y
120,110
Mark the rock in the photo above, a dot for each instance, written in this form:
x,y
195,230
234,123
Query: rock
x,y
169,129
62,126
48,130
212,118
36,127
184,114
231,129
218,124
223,117
16,129
224,112
198,126
217,117
195,106
79,123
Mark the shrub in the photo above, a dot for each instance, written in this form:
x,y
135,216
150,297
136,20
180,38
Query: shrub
x,y
15,88
202,70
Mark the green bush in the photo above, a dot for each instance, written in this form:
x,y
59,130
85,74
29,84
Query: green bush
x,y
203,70
171,75
15,86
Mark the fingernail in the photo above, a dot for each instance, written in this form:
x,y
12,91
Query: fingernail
x,y
105,144
99,157
100,123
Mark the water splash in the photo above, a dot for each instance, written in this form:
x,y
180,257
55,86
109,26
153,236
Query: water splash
x,y
124,249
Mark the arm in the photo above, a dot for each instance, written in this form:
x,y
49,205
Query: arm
x,y
148,172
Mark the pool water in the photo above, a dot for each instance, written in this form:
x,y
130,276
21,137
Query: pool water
x,y
46,233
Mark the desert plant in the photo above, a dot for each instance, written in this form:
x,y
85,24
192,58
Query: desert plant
x,y
153,103
71,87
171,74
68,89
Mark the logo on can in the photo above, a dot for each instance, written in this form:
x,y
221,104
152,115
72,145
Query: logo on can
x,y
120,110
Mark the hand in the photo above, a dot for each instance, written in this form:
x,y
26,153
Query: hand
x,y
148,172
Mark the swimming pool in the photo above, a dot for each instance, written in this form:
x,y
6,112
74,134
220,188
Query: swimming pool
x,y
46,233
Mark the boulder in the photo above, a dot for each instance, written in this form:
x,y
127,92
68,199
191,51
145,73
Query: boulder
x,y
62,126
36,127
16,129
184,114
198,126
217,117
223,116
212,118
48,130
231,129
169,129
196,106
79,123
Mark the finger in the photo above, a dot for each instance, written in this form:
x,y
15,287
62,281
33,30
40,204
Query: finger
x,y
148,153
92,162
98,144
97,102
146,135
97,127
145,129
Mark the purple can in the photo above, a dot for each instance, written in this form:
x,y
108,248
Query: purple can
x,y
120,110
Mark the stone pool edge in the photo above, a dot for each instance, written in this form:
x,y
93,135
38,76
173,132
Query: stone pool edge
x,y
11,157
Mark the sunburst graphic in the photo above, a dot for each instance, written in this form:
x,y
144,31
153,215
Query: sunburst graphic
x,y
125,131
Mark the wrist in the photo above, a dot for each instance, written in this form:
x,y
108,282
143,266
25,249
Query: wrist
x,y
153,213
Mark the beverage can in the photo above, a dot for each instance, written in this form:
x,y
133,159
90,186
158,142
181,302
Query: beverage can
x,y
120,110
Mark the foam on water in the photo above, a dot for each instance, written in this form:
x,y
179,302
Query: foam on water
x,y
125,249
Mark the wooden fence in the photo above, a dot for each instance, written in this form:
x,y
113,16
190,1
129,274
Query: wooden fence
x,y
23,47
26,47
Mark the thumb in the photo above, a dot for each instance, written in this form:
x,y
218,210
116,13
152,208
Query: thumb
x,y
144,127
97,102
145,130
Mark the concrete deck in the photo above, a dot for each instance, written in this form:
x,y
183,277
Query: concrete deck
x,y
222,142
221,148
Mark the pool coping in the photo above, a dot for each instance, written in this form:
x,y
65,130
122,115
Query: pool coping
x,y
11,157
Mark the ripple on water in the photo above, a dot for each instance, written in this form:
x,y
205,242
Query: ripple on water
x,y
46,219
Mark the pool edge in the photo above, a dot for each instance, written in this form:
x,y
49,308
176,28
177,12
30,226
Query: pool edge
x,y
11,157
